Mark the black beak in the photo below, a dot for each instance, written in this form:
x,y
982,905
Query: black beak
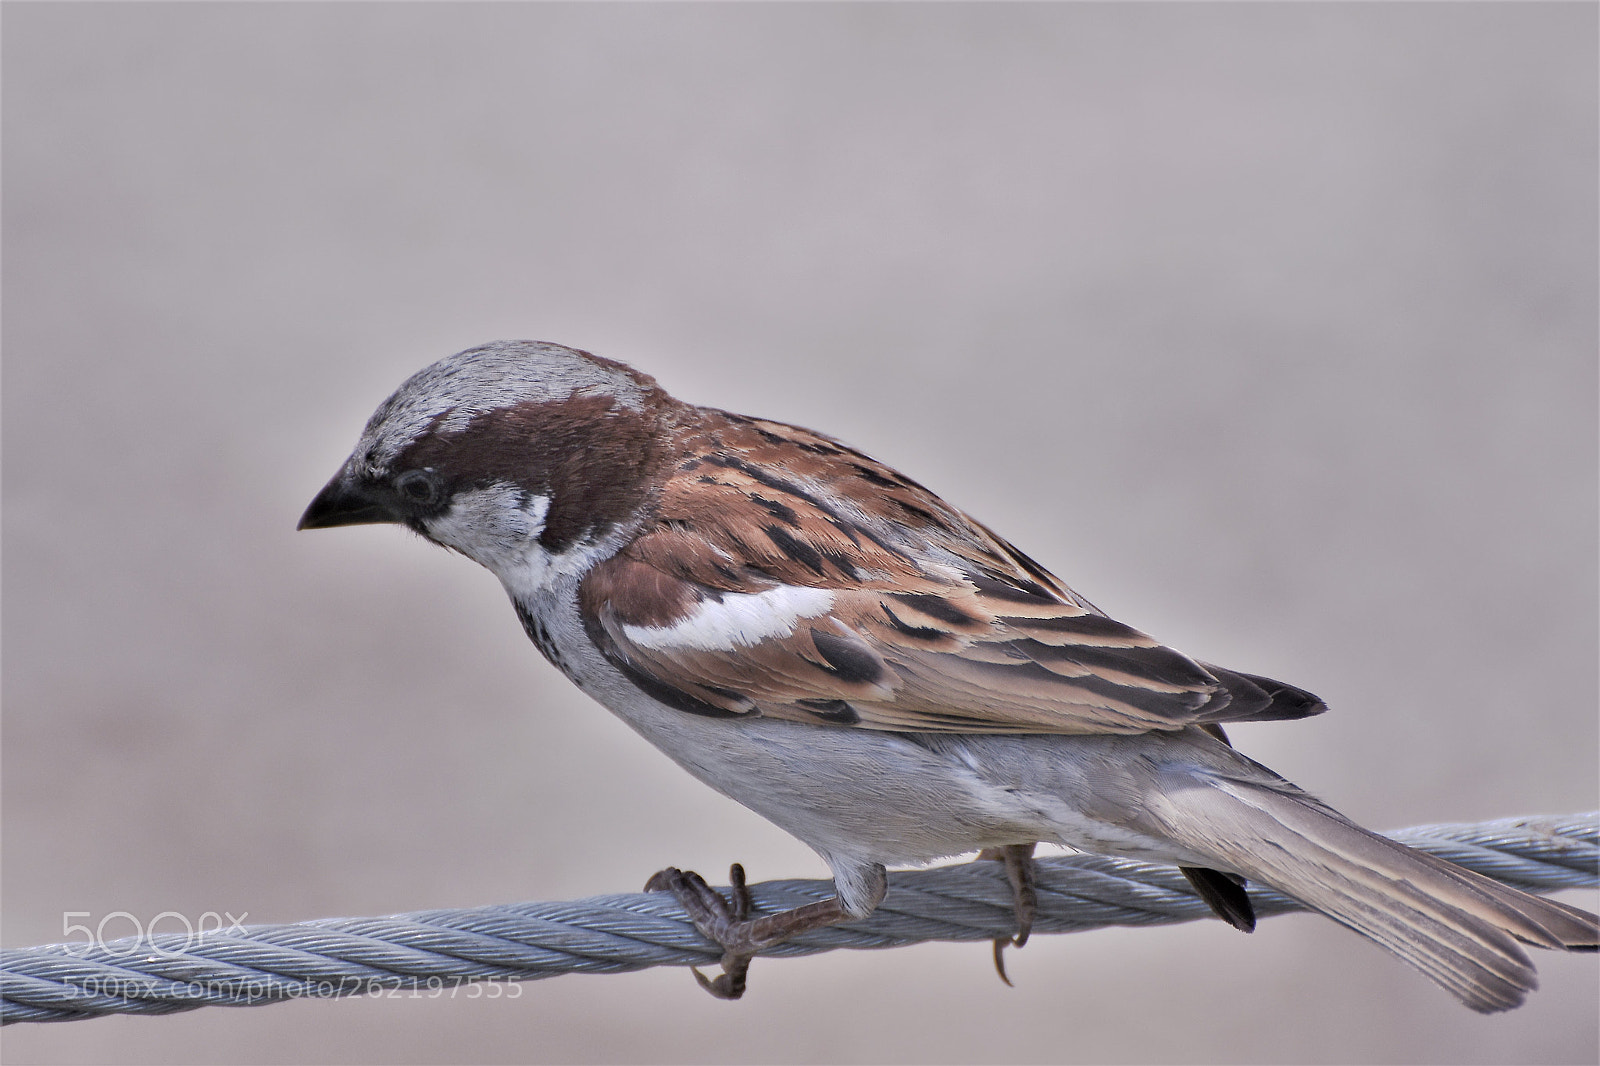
x,y
341,503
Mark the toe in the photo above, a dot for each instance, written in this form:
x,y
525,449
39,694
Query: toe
x,y
666,880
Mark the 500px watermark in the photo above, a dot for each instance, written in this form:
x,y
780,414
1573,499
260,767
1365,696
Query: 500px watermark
x,y
273,989
122,933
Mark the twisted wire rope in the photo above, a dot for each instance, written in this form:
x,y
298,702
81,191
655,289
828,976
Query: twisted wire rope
x,y
438,950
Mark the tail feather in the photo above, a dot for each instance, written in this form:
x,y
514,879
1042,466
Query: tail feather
x,y
1225,894
1458,927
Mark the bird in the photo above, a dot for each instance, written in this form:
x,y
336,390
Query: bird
x,y
824,640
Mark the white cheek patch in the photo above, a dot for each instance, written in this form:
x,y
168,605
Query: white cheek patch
x,y
738,619
495,525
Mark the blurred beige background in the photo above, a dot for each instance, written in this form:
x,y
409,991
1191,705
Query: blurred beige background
x,y
1272,328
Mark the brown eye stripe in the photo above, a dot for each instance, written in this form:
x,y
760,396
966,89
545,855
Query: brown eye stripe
x,y
592,456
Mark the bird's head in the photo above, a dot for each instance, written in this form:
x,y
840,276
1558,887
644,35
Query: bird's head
x,y
515,454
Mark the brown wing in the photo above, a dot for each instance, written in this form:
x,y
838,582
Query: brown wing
x,y
790,576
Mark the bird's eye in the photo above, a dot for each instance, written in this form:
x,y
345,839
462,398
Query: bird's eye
x,y
421,487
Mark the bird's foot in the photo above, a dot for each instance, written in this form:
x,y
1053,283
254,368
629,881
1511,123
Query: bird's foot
x,y
1024,897
728,923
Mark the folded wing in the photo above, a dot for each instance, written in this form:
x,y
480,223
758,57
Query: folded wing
x,y
812,583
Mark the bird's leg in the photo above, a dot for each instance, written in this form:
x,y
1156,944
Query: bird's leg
x,y
729,924
1025,899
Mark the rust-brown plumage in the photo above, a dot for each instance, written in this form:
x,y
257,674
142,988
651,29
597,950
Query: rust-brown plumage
x,y
936,624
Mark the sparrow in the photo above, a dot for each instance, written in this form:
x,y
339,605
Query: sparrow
x,y
822,639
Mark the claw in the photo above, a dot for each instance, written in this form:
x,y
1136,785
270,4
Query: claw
x,y
1000,943
1018,859
729,984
